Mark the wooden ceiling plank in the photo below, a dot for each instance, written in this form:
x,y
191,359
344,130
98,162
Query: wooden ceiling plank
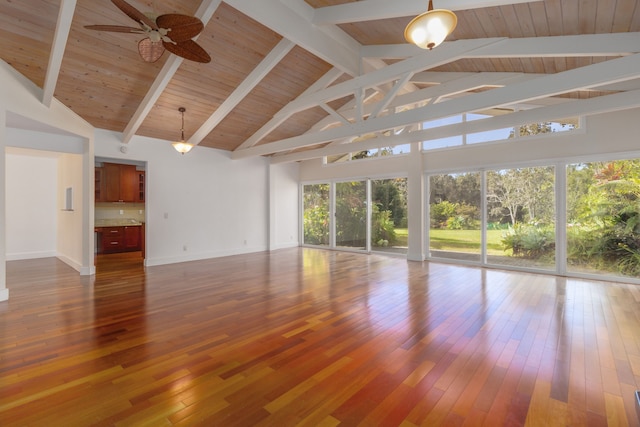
x,y
65,16
205,13
600,105
332,46
554,46
371,10
250,82
585,45
328,78
615,70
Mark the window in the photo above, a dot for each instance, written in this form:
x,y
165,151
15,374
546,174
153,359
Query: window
x,y
521,217
603,218
316,214
454,216
501,134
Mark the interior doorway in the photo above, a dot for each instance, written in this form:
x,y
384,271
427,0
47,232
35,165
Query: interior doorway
x,y
119,213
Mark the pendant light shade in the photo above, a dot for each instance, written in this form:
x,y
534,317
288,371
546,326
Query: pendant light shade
x,y
430,29
182,146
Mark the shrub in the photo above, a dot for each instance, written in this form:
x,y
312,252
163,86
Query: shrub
x,y
530,241
382,228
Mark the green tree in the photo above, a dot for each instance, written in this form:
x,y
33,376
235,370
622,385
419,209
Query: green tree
x,y
390,195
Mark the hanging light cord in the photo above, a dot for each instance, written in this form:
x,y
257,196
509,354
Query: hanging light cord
x,y
182,110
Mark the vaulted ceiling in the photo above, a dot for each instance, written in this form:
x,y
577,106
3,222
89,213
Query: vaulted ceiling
x,y
298,79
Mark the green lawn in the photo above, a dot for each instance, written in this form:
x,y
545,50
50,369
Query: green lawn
x,y
457,240
466,241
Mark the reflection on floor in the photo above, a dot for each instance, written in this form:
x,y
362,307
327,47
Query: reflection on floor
x,y
118,261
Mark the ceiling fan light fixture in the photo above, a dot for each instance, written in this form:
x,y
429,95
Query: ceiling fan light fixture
x,y
430,28
182,146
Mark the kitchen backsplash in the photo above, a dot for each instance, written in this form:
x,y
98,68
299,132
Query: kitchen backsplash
x,y
120,211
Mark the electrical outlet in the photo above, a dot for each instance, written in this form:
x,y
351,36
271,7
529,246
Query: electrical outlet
x,y
121,212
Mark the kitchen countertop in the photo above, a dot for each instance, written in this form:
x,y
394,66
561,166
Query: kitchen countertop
x,y
117,222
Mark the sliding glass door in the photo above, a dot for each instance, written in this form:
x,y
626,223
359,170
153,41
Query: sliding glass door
x,y
389,230
351,214
454,216
603,218
521,217
316,222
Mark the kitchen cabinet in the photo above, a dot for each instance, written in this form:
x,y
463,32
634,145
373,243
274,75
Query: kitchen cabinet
x,y
132,237
141,186
99,185
119,239
120,183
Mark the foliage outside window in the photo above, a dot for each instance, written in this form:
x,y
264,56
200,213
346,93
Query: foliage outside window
x,y
316,214
521,203
369,154
388,215
351,214
454,210
389,232
603,217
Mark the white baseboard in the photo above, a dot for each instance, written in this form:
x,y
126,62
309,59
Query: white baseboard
x,y
17,256
150,262
71,263
4,294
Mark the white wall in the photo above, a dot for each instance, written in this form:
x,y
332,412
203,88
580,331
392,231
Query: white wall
x,y
21,107
31,203
70,226
284,206
202,201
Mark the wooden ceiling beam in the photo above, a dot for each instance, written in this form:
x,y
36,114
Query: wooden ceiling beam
x,y
63,26
371,10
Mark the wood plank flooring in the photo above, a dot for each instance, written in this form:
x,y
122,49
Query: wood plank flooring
x,y
314,338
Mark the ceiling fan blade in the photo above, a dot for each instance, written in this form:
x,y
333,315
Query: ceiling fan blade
x,y
134,13
182,27
188,50
150,51
114,28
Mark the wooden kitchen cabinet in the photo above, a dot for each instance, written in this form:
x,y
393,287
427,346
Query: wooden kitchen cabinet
x,y
120,239
119,183
99,184
132,238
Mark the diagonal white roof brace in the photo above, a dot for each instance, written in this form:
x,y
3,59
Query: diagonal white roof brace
x,y
204,13
251,81
599,105
63,26
370,10
615,70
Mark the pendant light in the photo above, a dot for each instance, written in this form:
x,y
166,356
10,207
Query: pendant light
x,y
182,146
429,29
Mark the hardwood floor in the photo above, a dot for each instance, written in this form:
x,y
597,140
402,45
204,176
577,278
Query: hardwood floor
x,y
314,338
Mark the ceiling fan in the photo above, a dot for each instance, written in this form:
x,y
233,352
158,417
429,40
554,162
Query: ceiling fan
x,y
172,32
